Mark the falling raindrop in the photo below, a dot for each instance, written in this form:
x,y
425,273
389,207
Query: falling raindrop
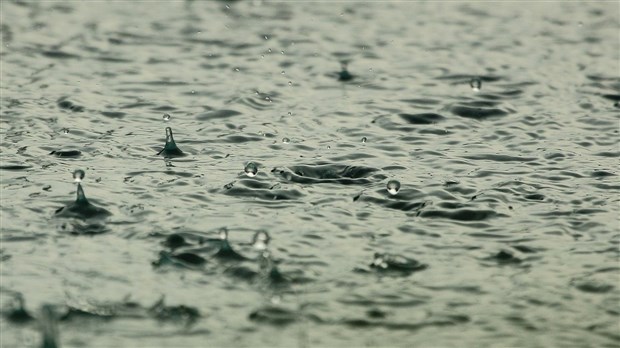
x,y
251,169
269,50
78,175
167,117
286,140
475,84
393,187
266,37
237,69
224,234
290,113
364,139
283,72
260,240
290,83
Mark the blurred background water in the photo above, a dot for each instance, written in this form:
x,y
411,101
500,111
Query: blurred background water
x,y
498,120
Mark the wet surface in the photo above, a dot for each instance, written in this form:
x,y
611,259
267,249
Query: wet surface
x,y
425,174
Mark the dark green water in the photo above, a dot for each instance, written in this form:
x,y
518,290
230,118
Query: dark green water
x,y
504,232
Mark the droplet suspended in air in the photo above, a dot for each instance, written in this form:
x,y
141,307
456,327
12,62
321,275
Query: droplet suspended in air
x,y
364,139
251,169
237,69
283,72
290,113
393,187
266,37
224,234
78,175
290,83
167,117
475,84
65,130
286,140
260,240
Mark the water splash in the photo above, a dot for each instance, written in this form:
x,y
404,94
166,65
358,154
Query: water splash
x,y
81,208
393,186
226,251
170,148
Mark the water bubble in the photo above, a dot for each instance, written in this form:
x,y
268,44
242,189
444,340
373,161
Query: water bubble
x,y
251,169
65,130
78,175
167,117
260,240
393,187
364,139
475,84
224,234
286,140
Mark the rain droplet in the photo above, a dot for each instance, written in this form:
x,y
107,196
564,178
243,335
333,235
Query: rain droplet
x,y
260,240
286,140
393,187
269,50
251,169
283,72
262,56
167,117
290,83
290,113
475,84
65,130
228,7
78,175
281,52
193,92
237,69
224,234
266,37
364,139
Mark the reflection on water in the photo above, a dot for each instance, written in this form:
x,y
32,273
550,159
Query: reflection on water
x,y
393,174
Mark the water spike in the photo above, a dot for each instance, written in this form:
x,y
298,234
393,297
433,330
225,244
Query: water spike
x,y
169,138
81,197
170,148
